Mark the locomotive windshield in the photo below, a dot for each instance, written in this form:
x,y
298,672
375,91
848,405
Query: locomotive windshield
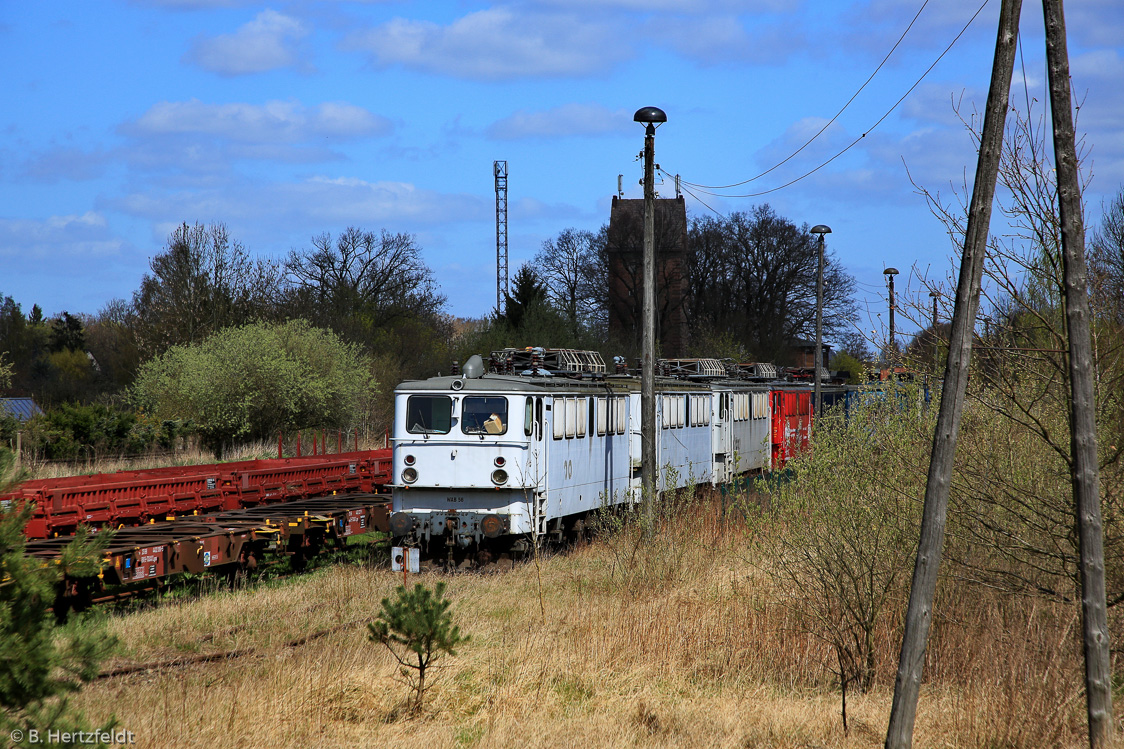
x,y
429,414
484,415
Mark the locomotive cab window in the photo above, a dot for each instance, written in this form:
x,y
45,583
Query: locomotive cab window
x,y
429,414
484,414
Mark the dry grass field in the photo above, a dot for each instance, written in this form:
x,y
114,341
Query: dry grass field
x,y
107,464
677,642
191,455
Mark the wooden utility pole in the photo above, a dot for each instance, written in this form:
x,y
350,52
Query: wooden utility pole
x,y
649,116
1082,412
919,616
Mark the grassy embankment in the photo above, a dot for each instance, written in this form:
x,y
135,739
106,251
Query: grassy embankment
x,y
680,642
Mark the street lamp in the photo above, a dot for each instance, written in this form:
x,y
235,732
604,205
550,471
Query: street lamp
x,y
819,229
650,117
890,273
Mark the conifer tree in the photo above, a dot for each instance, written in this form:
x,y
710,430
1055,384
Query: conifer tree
x,y
417,629
39,665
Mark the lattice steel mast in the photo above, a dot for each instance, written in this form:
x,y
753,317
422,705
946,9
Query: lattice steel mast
x,y
499,168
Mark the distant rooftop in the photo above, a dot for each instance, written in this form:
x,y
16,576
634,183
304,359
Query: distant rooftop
x,y
21,408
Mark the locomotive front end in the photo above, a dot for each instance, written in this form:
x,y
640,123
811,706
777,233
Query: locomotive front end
x,y
463,467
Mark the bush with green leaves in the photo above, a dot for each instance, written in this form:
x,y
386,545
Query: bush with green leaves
x,y
71,431
248,382
417,628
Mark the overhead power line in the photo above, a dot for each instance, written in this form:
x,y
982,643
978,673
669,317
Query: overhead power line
x,y
829,122
710,190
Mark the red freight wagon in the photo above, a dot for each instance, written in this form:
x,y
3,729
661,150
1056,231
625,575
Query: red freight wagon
x,y
792,424
137,497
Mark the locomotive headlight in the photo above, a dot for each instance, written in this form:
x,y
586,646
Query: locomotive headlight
x,y
410,475
499,477
408,460
500,462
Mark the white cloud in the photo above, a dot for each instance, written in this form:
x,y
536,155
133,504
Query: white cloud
x,y
804,136
938,104
272,122
194,4
70,237
718,39
268,42
697,7
1095,22
566,120
68,163
317,201
1104,64
497,43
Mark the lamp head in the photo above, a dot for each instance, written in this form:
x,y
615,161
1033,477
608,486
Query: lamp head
x,y
649,116
821,229
890,272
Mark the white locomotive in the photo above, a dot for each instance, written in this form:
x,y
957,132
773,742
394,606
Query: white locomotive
x,y
519,456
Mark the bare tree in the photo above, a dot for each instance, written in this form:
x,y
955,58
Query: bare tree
x,y
919,615
755,274
1014,503
1106,263
202,282
574,267
361,282
1011,508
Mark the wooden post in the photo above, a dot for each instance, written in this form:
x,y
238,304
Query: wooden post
x,y
1082,422
919,616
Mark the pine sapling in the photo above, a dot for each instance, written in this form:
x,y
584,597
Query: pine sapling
x,y
417,629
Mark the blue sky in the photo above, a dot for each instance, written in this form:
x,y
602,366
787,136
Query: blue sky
x,y
122,119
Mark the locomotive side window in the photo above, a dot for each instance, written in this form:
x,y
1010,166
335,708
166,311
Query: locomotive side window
x,y
529,417
579,413
602,415
559,412
484,414
538,418
429,414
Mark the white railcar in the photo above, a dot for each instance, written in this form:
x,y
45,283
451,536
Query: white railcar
x,y
492,456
